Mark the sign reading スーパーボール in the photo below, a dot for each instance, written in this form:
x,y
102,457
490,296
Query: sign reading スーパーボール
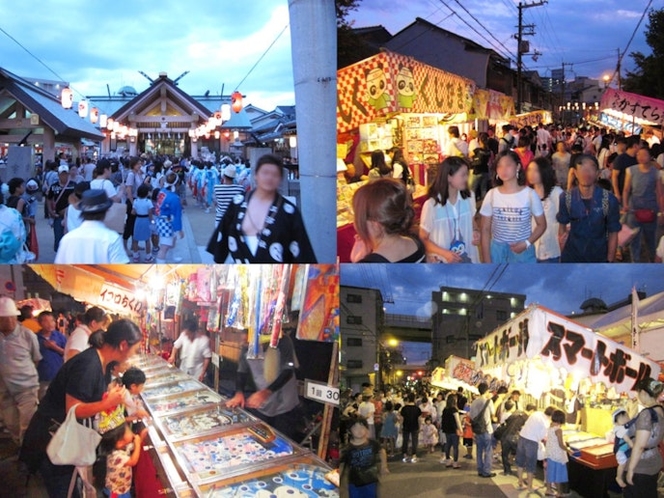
x,y
321,392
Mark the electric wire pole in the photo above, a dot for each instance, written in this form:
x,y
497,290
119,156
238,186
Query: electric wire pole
x,y
520,49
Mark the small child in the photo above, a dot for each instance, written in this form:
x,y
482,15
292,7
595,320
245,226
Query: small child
x,y
390,429
134,382
468,436
360,461
624,430
123,449
142,208
154,235
114,372
73,218
556,457
429,434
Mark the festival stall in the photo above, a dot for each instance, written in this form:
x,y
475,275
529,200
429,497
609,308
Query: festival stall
x,y
198,446
531,119
630,112
458,372
558,361
391,100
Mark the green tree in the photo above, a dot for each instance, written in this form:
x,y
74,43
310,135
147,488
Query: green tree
x,y
350,47
648,77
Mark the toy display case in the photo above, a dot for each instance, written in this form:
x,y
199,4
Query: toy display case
x,y
201,420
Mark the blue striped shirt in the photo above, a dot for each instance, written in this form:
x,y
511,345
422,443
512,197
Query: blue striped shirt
x,y
511,213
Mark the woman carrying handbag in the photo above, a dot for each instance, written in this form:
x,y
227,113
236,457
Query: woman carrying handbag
x,y
80,384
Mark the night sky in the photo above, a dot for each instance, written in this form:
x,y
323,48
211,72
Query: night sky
x,y
584,32
91,44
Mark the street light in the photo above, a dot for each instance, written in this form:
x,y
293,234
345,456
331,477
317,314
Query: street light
x,y
393,343
607,80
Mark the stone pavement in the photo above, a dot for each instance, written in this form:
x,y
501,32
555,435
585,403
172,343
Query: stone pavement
x,y
197,226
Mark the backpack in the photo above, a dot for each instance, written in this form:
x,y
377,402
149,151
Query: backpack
x,y
605,201
510,142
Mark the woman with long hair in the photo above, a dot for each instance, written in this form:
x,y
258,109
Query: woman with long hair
x,y
263,226
383,220
541,177
379,167
446,225
507,212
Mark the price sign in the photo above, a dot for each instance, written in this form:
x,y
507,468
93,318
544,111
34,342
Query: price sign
x,y
321,392
215,359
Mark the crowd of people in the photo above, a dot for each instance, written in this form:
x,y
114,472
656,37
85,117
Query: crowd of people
x,y
535,195
491,425
123,209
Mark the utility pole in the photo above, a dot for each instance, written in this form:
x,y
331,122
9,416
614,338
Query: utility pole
x,y
562,86
618,71
520,50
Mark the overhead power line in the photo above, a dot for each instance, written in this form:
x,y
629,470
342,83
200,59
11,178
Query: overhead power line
x,y
262,56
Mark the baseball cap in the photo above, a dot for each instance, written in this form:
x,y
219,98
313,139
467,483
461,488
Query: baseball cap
x,y
230,171
31,186
63,168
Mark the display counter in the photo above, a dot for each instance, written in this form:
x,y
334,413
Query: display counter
x,y
592,464
200,447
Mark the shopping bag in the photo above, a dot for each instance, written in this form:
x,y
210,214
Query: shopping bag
x,y
73,443
116,216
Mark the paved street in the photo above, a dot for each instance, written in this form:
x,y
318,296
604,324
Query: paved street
x,y
197,225
429,478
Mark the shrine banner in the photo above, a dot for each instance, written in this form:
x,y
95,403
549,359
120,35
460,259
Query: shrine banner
x,y
389,83
635,105
540,334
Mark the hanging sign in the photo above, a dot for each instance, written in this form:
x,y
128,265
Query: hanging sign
x,y
321,392
539,334
118,299
641,107
390,82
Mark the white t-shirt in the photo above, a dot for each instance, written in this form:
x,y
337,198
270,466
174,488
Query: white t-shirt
x,y
511,213
456,147
193,353
74,219
535,427
445,223
366,410
547,246
105,185
88,171
91,243
78,340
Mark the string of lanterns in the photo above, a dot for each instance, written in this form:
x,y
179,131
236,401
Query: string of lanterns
x,y
118,130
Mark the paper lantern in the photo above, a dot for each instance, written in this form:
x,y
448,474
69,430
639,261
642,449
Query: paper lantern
x,y
67,98
94,115
236,101
292,141
83,109
110,122
225,112
103,121
217,135
236,135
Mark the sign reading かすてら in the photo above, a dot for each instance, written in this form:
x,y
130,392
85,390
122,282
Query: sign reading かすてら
x,y
564,343
635,105
119,299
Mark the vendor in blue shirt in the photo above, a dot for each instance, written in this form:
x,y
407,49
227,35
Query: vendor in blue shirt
x,y
593,215
52,348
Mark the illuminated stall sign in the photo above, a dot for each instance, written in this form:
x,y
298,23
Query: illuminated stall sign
x,y
553,339
645,108
389,83
489,104
466,371
120,300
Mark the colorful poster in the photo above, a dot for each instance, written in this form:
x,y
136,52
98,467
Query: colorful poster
x,y
639,106
389,82
319,315
555,340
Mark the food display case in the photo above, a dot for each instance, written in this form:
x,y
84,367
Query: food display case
x,y
200,447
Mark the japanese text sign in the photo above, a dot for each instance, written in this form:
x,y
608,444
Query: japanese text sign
x,y
389,82
635,105
119,300
556,340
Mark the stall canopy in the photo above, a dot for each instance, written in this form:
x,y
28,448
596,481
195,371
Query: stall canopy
x,y
531,119
630,106
564,346
388,82
458,372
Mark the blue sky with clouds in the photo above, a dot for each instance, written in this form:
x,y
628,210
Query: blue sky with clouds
x,y
91,44
560,287
573,31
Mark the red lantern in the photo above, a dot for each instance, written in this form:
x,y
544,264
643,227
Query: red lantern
x,y
236,101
